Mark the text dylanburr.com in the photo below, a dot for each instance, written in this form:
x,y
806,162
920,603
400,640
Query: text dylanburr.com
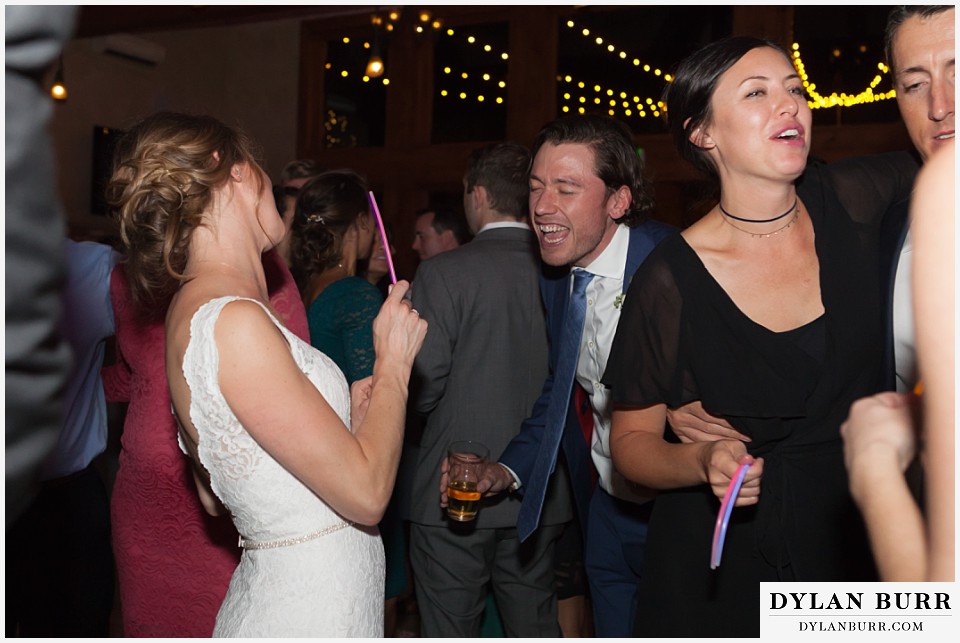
x,y
798,610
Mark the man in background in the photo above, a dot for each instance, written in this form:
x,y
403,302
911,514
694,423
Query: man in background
x,y
437,230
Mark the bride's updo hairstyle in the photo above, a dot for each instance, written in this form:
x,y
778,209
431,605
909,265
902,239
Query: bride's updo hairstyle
x,y
167,169
327,206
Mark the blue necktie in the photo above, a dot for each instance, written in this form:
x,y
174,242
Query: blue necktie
x,y
535,489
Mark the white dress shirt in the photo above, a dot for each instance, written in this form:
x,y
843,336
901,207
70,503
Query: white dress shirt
x,y
904,348
599,327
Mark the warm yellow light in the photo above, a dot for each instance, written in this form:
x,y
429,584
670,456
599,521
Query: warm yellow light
x,y
394,15
499,100
58,92
646,68
375,67
570,23
449,32
344,73
599,41
502,83
581,85
419,29
611,48
480,99
386,81
443,92
836,53
504,55
389,27
327,66
636,62
623,54
471,40
656,71
436,24
486,76
487,47
463,94
585,32
566,96
424,16
567,79
446,70
346,40
566,109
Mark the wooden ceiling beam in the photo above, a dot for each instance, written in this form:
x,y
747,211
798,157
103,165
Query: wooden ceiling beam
x,y
100,20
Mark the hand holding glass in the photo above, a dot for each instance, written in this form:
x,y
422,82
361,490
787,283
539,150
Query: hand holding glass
x,y
467,460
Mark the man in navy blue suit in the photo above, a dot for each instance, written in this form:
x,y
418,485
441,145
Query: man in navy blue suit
x,y
589,203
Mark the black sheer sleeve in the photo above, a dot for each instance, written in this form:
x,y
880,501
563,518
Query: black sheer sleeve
x,y
644,363
868,186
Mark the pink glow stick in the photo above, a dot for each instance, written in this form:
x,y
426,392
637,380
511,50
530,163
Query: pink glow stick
x,y
383,238
723,517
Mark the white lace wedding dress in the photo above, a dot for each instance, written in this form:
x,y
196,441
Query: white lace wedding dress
x,y
305,571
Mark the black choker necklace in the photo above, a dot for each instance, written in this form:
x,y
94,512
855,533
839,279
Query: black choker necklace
x,y
776,218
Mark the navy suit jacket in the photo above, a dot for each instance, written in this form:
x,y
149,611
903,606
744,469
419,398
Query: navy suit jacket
x,y
521,454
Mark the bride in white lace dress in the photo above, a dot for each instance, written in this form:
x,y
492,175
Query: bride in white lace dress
x,y
304,467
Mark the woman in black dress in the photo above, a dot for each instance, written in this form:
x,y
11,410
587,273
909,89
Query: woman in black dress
x,y
766,311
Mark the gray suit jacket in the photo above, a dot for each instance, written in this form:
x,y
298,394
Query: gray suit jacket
x,y
483,361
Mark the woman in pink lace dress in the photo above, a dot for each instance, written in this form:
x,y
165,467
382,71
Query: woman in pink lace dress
x,y
174,561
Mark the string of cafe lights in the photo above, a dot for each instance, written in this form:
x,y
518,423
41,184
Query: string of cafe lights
x,y
618,100
480,97
817,101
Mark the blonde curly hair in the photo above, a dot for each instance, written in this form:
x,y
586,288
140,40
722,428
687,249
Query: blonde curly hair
x,y
167,169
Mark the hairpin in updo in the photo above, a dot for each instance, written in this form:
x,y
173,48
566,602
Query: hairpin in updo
x,y
316,218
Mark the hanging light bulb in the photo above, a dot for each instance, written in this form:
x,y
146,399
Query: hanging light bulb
x,y
59,90
375,66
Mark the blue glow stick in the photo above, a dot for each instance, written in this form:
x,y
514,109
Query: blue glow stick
x,y
723,517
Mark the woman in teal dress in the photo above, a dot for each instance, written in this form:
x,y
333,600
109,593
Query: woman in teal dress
x,y
333,229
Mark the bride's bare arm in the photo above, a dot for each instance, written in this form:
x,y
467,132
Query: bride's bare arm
x,y
276,403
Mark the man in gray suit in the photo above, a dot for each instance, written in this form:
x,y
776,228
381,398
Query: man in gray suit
x,y
480,371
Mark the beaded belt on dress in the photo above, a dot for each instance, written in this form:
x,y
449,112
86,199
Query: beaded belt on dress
x,y
286,542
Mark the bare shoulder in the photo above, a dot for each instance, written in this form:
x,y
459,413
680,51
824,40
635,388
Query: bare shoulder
x,y
937,178
246,326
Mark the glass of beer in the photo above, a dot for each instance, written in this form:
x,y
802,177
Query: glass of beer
x,y
466,464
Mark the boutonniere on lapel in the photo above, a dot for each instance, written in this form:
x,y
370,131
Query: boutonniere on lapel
x,y
618,301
